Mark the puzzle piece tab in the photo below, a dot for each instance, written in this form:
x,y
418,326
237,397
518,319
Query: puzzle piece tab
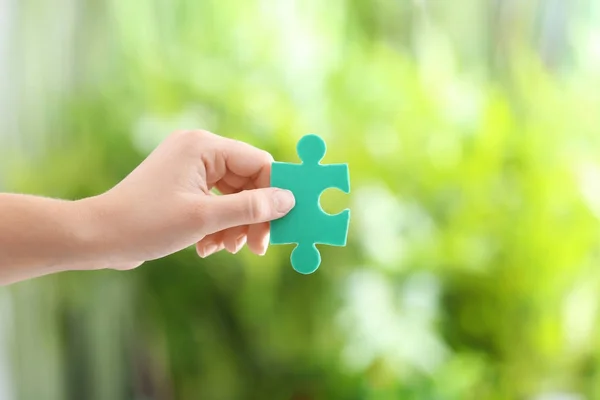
x,y
307,224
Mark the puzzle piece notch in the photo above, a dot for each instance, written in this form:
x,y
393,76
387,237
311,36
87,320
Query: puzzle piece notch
x,y
307,224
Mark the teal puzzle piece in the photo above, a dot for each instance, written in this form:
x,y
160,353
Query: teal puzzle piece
x,y
307,224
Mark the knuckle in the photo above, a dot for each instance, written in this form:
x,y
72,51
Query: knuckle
x,y
190,137
258,208
190,142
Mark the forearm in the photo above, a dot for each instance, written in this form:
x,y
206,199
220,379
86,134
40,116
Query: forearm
x,y
39,236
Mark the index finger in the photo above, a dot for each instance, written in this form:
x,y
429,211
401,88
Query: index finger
x,y
244,161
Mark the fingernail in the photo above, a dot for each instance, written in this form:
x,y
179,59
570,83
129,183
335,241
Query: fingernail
x,y
209,249
239,243
264,246
284,201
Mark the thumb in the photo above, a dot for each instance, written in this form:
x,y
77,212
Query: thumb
x,y
246,208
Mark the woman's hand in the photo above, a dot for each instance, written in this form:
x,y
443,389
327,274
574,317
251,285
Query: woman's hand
x,y
165,205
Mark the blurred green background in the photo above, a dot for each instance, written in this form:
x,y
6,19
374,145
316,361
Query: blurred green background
x,y
471,129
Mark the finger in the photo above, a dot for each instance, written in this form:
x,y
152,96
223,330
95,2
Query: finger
x,y
248,207
235,181
209,250
241,160
235,238
216,237
225,188
210,245
258,238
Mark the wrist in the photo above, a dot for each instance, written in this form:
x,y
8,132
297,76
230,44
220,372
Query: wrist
x,y
90,218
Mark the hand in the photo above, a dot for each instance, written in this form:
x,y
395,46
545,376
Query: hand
x,y
166,203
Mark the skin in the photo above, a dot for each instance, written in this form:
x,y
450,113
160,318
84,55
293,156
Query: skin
x,y
163,206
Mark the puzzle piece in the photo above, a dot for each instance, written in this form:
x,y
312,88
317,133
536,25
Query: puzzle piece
x,y
307,224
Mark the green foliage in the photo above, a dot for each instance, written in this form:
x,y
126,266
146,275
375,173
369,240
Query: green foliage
x,y
471,270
